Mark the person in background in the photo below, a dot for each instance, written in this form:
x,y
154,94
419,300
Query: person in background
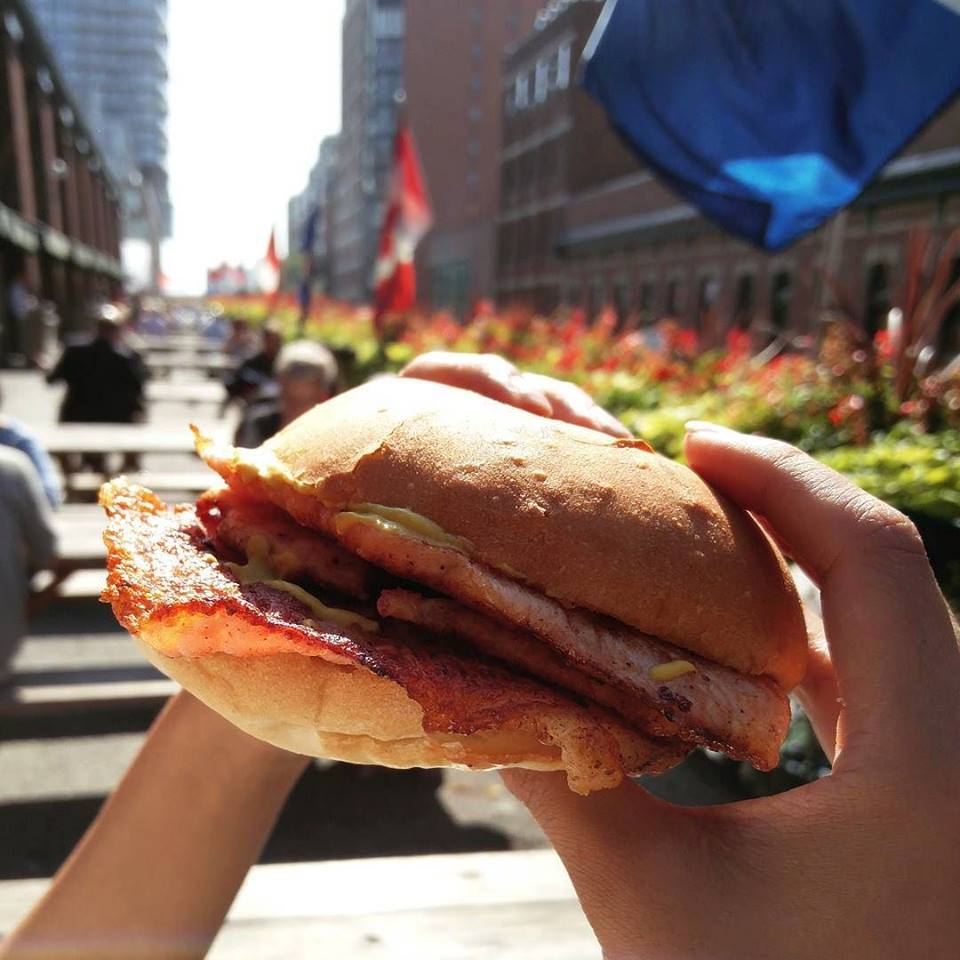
x,y
105,380
257,371
27,544
307,374
237,343
14,434
104,377
20,302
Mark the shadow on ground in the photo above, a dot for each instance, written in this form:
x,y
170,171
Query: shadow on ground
x,y
333,814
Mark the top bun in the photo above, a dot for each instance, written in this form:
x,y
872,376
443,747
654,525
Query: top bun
x,y
590,520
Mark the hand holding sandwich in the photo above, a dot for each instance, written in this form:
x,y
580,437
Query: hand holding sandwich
x,y
863,863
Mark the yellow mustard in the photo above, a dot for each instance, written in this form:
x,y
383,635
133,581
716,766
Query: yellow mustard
x,y
671,670
257,570
397,520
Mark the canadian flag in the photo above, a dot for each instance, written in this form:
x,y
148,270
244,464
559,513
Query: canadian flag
x,y
268,270
407,218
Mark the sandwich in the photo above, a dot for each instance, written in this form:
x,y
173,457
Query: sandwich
x,y
414,575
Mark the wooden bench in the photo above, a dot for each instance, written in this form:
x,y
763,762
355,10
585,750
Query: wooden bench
x,y
190,481
22,699
515,905
171,391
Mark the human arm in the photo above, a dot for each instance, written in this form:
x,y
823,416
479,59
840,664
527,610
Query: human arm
x,y
29,444
157,871
35,518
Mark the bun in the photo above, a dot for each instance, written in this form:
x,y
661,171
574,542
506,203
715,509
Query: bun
x,y
592,521
310,706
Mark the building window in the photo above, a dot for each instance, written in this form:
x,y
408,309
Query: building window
x,y
574,295
877,299
563,65
781,294
542,82
673,298
620,300
743,303
595,299
521,91
645,301
706,298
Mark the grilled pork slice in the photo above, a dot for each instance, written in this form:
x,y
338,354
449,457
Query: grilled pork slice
x,y
746,717
291,551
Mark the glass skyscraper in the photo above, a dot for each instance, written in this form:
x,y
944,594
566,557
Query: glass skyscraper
x,y
113,55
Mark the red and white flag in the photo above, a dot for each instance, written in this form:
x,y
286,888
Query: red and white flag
x,y
268,270
407,218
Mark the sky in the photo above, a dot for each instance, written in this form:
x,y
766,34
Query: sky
x,y
254,87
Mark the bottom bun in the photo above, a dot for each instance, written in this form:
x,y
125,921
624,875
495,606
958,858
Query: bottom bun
x,y
310,706
319,709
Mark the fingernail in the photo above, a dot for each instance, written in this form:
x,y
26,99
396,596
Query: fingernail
x,y
703,426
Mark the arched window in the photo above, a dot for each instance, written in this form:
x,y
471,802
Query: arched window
x,y
672,305
743,303
645,302
877,299
781,295
707,294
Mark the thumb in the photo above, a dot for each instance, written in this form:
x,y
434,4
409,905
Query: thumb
x,y
887,625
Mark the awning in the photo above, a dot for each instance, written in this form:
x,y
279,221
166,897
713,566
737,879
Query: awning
x,y
55,243
18,231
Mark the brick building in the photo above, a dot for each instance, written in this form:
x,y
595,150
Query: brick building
x,y
452,88
59,208
583,223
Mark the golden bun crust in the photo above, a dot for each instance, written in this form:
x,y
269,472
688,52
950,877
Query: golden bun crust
x,y
592,521
395,698
316,708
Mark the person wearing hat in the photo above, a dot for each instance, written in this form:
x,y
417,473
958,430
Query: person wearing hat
x,y
307,374
256,372
104,378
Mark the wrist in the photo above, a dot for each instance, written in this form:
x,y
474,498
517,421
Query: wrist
x,y
230,750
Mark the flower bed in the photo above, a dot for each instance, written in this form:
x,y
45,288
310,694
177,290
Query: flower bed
x,y
841,402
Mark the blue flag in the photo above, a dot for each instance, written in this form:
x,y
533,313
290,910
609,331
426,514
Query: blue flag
x,y
771,115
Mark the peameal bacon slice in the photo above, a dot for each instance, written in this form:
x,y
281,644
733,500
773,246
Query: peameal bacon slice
x,y
395,698
743,716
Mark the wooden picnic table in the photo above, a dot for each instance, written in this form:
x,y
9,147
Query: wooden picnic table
x,y
104,438
211,365
513,905
88,453
179,343
172,391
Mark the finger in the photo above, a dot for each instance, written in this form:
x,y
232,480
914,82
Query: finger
x,y
889,632
574,405
486,374
818,693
